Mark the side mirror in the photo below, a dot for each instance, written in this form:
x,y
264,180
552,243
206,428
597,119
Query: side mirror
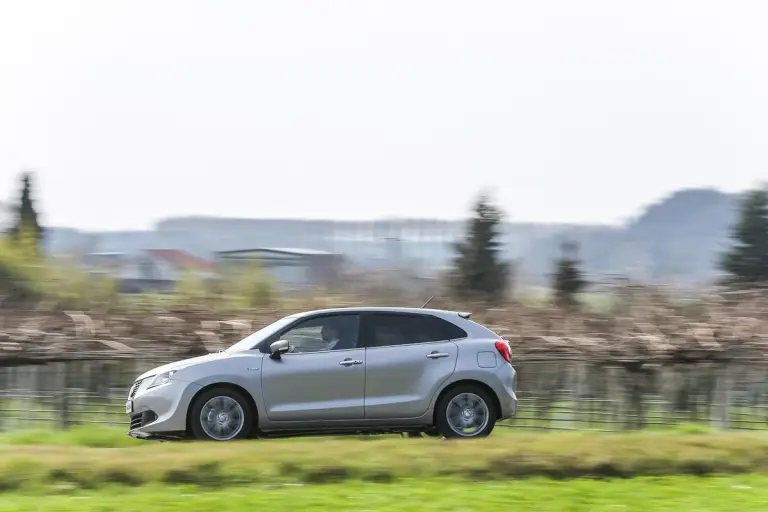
x,y
279,348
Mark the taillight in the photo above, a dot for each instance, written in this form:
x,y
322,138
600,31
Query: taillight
x,y
504,350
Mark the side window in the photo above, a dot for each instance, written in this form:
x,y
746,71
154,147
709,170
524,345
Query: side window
x,y
400,329
337,332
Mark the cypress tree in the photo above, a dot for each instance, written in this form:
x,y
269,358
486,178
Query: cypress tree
x,y
568,279
479,272
746,262
27,223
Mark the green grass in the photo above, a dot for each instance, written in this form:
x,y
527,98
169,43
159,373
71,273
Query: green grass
x,y
100,468
501,458
93,436
715,494
114,436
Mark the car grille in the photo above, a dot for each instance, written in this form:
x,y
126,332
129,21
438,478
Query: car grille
x,y
136,420
142,418
135,388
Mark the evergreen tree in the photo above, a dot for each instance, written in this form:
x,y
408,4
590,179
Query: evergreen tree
x,y
478,270
27,223
568,279
746,263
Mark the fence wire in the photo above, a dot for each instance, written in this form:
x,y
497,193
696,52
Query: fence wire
x,y
554,395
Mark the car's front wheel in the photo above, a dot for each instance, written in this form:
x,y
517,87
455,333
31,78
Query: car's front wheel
x,y
465,412
221,414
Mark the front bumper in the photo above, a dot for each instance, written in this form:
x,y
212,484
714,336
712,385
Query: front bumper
x,y
162,409
156,437
141,419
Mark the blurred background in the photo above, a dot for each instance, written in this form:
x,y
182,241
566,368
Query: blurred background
x,y
587,178
598,347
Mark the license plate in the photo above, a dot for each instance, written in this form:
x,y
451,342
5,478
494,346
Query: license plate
x,y
129,407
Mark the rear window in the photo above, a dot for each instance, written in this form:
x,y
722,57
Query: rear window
x,y
451,331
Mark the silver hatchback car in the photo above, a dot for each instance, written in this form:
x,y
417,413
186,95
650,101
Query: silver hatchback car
x,y
336,371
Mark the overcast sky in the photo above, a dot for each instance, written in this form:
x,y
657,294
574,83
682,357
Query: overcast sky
x,y
584,111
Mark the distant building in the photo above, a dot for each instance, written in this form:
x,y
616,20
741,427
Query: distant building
x,y
290,267
153,270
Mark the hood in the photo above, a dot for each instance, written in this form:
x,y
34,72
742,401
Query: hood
x,y
178,365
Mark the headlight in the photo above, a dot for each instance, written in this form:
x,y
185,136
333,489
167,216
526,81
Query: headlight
x,y
161,379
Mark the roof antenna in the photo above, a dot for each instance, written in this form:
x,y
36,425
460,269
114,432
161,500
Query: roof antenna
x,y
425,304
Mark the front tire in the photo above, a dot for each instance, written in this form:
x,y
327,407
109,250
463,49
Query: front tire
x,y
466,412
221,414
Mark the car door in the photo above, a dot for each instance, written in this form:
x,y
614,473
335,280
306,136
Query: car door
x,y
314,382
407,359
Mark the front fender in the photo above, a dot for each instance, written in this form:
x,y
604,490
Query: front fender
x,y
250,384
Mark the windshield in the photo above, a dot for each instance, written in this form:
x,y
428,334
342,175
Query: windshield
x,y
253,339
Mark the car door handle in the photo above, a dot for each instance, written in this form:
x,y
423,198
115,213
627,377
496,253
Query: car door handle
x,y
350,362
437,355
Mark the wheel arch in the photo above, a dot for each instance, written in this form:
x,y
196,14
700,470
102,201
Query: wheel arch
x,y
224,385
467,382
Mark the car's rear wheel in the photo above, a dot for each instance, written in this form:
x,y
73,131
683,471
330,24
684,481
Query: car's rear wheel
x,y
221,414
465,412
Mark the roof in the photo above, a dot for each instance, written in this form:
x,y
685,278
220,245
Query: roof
x,y
377,309
280,250
113,253
181,258
459,318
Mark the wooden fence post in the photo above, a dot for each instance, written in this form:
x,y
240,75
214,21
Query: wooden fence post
x,y
64,398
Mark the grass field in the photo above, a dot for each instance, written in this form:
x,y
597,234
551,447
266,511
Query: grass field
x,y
93,459
101,469
114,436
703,494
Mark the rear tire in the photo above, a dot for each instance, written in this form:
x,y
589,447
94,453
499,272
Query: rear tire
x,y
221,414
465,412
